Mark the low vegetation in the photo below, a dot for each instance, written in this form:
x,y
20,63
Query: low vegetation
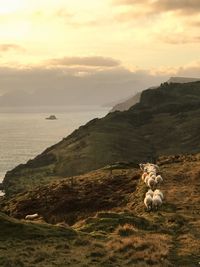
x,y
108,224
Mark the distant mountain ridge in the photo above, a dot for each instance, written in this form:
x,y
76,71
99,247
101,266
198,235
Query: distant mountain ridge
x,y
182,80
125,105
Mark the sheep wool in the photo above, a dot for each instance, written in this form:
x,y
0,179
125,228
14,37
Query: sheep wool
x,y
153,199
144,175
159,193
157,202
31,216
152,173
148,202
150,192
159,179
146,179
151,183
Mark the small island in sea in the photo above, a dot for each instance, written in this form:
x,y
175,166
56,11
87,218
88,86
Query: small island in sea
x,y
51,117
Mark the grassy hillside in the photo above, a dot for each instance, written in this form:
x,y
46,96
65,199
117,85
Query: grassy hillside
x,y
33,244
166,121
108,223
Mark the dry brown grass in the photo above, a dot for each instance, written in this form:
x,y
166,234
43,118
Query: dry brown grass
x,y
150,248
189,245
126,230
62,201
110,209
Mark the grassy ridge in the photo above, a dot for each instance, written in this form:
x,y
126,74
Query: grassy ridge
x,y
166,121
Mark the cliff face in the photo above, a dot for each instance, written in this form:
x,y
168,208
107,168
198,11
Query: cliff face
x,y
166,121
125,105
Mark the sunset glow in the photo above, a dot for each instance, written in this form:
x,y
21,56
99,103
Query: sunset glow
x,y
155,36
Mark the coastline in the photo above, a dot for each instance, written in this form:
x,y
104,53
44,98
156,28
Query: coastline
x,y
34,134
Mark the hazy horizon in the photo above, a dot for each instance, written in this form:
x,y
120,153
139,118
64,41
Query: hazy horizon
x,y
93,52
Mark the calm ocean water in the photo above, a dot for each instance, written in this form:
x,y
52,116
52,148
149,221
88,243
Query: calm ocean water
x,y
24,133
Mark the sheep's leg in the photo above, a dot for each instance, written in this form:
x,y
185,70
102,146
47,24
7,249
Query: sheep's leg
x,y
149,208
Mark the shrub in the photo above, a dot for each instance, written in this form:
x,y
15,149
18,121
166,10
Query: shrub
x,y
126,230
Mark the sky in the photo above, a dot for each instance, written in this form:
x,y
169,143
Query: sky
x,y
93,42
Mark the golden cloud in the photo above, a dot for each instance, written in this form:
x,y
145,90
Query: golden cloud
x,y
95,61
9,47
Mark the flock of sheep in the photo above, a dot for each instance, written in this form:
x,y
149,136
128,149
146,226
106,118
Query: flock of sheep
x,y
154,197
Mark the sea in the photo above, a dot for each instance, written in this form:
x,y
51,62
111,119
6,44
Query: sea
x,y
25,132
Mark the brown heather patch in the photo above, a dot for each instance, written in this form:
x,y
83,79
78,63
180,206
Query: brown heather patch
x,y
150,248
108,214
189,245
125,230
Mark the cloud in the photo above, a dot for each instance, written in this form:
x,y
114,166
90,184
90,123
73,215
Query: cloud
x,y
190,70
64,13
150,10
156,6
169,21
11,47
77,85
129,2
178,38
184,6
195,23
85,61
62,86
76,20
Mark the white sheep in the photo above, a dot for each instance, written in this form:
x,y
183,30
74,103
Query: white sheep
x,y
144,175
157,201
159,193
151,183
31,216
146,179
148,202
159,179
153,177
150,192
155,167
147,167
151,173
